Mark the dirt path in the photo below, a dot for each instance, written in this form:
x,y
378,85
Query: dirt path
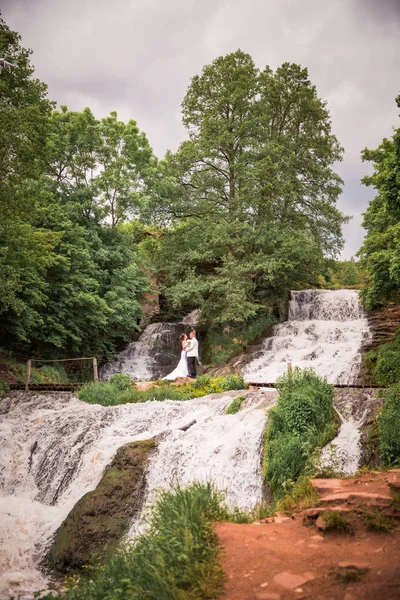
x,y
286,559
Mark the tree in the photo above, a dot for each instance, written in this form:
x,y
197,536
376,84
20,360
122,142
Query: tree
x,y
95,284
380,252
125,159
253,206
26,249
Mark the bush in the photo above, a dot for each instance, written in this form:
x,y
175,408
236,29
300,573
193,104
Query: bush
x,y
120,381
176,559
389,428
387,369
301,422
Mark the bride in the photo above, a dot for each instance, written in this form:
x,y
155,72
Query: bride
x,y
182,369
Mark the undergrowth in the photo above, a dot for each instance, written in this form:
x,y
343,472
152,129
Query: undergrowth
x,y
301,496
120,390
383,363
388,423
177,559
222,344
300,423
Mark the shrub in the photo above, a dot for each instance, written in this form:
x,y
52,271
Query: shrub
x,y
176,559
235,405
387,369
120,381
301,422
389,428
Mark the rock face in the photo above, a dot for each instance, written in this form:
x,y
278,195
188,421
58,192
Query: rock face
x,y
101,517
383,324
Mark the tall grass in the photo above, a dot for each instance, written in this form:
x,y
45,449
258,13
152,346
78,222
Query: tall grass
x,y
177,559
296,427
119,390
389,428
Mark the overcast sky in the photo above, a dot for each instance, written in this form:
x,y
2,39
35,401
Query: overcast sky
x,y
137,57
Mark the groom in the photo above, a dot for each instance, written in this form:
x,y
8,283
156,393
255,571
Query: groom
x,y
192,353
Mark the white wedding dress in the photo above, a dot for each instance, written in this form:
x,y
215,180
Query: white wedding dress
x,y
181,369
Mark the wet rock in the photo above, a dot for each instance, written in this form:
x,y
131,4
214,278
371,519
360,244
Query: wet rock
x,y
101,517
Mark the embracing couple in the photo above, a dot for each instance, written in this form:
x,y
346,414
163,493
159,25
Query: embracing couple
x,y
189,354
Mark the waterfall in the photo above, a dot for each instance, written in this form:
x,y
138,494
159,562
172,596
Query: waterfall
x,y
324,331
53,449
155,354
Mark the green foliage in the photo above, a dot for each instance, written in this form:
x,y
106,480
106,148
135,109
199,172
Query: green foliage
x,y
55,373
118,390
235,405
120,381
381,248
177,559
389,428
303,495
221,344
69,277
26,249
387,363
342,274
300,423
250,197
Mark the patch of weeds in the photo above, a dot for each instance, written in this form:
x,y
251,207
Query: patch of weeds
x,y
302,495
377,521
261,511
348,575
334,521
395,500
235,405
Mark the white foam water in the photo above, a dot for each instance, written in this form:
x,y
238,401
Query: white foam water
x,y
342,455
53,449
325,331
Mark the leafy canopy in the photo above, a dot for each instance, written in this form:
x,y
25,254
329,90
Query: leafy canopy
x,y
250,196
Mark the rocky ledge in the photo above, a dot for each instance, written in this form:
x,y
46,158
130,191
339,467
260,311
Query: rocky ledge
x,y
101,517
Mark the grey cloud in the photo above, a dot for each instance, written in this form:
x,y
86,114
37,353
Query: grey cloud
x,y
137,57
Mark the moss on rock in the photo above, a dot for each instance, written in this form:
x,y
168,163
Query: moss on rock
x,y
101,517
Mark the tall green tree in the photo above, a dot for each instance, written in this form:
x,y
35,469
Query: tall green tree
x,y
26,249
95,284
253,208
380,252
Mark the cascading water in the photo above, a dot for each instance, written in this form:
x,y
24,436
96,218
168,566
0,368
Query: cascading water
x,y
325,331
155,354
53,449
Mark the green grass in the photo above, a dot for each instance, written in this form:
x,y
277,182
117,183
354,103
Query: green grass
x,y
177,559
334,521
235,405
389,428
377,521
303,495
120,391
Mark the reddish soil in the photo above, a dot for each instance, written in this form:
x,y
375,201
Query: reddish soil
x,y
286,559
